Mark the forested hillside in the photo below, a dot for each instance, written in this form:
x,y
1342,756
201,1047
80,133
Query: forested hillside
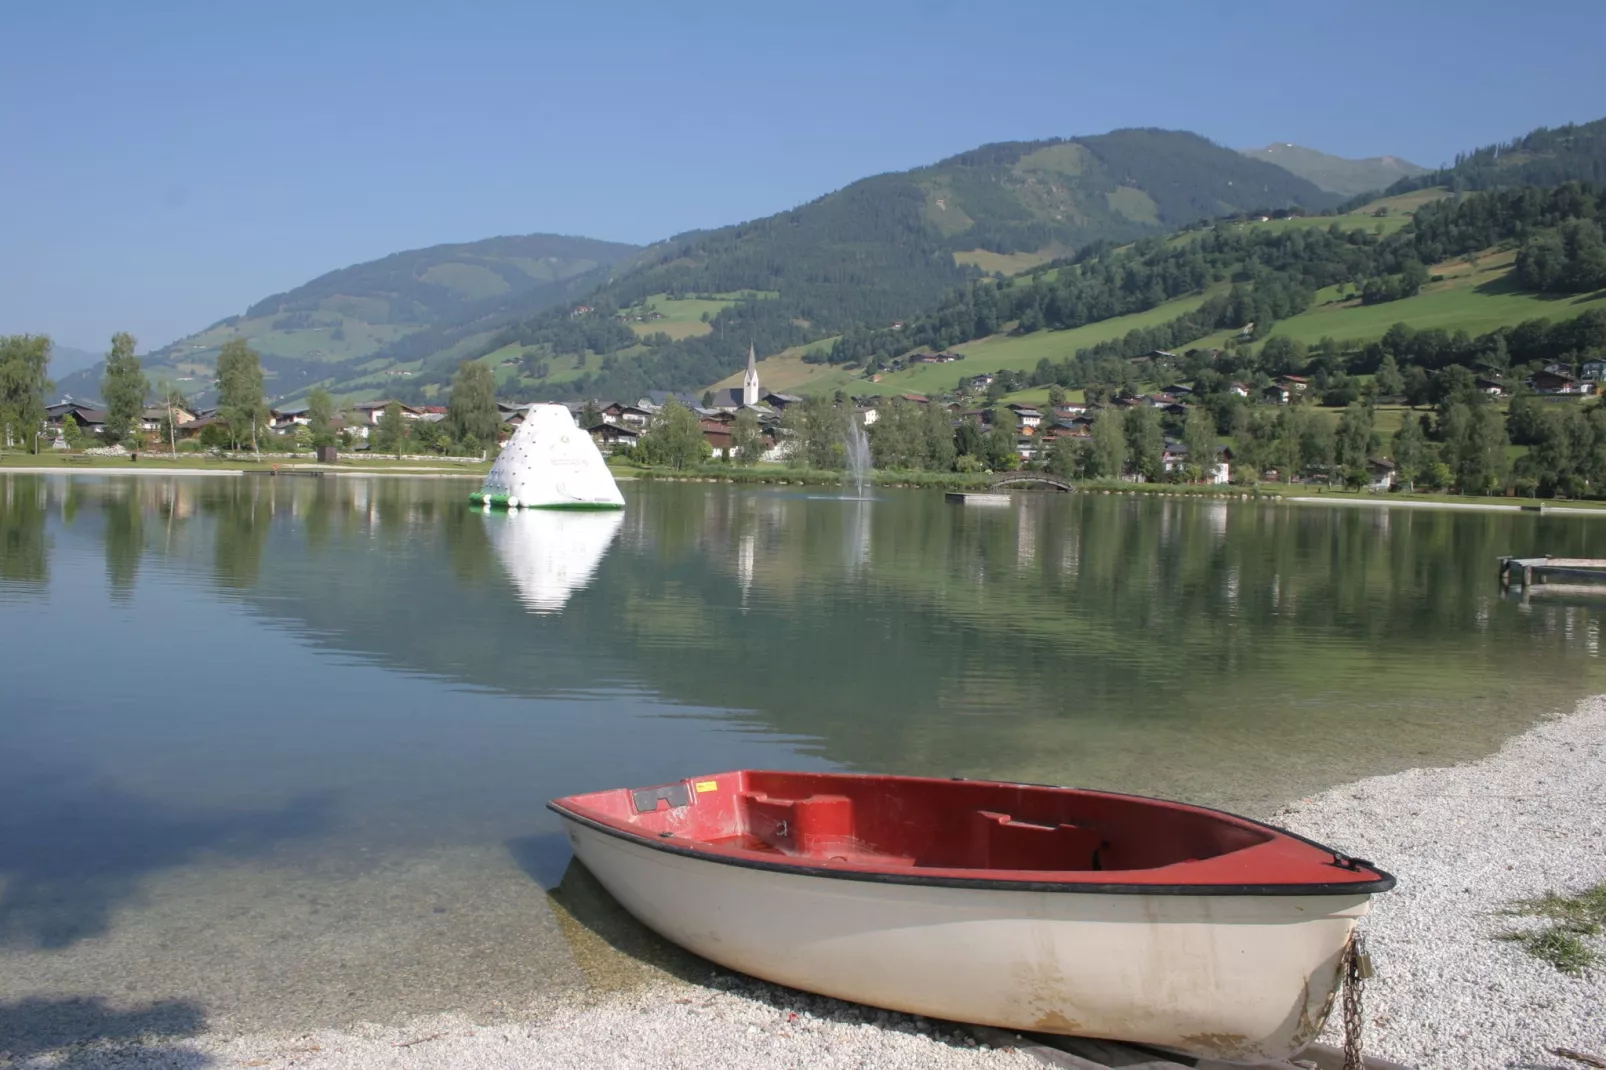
x,y
1544,157
1262,274
883,249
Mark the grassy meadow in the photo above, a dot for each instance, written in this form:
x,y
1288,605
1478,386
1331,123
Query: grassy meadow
x,y
1008,263
788,373
683,317
1024,351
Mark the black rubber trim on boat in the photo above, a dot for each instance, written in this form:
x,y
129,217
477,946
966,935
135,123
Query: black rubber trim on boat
x,y
1384,882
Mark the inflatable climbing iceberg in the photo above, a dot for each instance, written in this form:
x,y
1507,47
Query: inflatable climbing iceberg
x,y
550,463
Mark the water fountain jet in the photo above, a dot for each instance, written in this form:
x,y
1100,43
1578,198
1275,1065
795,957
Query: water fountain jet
x,y
857,442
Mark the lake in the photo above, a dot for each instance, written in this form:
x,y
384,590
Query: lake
x,y
276,750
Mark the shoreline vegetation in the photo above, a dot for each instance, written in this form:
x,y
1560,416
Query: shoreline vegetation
x,y
772,475
1454,987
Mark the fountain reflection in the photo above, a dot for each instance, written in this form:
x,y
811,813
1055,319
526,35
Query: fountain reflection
x,y
548,554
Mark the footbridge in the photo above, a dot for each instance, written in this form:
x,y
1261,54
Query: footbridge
x,y
1041,480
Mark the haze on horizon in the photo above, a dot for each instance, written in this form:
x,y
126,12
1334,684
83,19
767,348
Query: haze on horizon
x,y
174,162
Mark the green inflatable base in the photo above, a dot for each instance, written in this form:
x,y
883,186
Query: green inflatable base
x,y
499,501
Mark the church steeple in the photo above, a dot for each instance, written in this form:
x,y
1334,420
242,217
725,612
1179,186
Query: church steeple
x,y
750,389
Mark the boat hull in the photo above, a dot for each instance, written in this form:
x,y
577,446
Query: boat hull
x,y
1236,977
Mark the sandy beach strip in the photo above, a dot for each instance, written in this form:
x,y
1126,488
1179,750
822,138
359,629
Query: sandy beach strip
x,y
1465,842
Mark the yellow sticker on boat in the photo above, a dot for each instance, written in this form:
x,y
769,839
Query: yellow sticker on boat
x,y
708,785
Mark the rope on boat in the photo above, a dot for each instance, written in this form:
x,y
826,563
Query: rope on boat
x,y
1357,970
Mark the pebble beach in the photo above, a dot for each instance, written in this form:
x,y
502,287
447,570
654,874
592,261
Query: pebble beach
x,y
1465,843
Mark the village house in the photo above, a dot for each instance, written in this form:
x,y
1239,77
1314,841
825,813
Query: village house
x,y
284,419
1026,415
627,415
1081,425
717,435
1276,394
1218,472
1295,383
1380,474
780,402
369,412
610,437
91,421
1493,387
192,429
1593,371
153,419
1240,389
1551,382
1026,443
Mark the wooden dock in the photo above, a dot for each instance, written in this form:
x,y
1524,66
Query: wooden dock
x,y
1532,572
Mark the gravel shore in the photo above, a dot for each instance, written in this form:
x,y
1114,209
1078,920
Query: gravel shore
x,y
1464,842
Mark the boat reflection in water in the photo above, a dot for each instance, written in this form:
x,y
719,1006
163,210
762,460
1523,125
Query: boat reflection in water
x,y
550,554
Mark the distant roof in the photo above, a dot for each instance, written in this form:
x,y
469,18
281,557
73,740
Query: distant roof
x,y
658,397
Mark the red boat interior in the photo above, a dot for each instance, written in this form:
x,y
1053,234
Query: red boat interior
x,y
891,823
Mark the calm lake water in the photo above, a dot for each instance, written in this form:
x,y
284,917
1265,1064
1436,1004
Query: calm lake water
x,y
274,751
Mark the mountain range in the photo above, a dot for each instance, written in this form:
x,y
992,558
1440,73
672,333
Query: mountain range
x,y
562,317
1335,173
329,330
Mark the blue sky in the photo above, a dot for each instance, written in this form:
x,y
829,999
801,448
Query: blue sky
x,y
167,163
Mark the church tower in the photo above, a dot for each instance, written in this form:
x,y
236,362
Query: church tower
x,y
750,380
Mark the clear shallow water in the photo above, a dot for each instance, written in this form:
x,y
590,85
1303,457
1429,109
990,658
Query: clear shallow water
x,y
278,749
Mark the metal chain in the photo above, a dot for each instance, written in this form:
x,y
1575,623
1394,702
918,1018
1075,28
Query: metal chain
x,y
1357,968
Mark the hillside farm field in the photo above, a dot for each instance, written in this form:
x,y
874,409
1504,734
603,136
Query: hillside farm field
x,y
1007,263
1021,352
788,373
684,317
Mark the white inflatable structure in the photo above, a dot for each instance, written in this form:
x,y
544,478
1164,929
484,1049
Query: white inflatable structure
x,y
550,464
548,556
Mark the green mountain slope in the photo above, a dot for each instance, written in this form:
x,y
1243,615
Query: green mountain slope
x,y
1337,174
1462,266
882,249
1544,157
356,323
65,360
